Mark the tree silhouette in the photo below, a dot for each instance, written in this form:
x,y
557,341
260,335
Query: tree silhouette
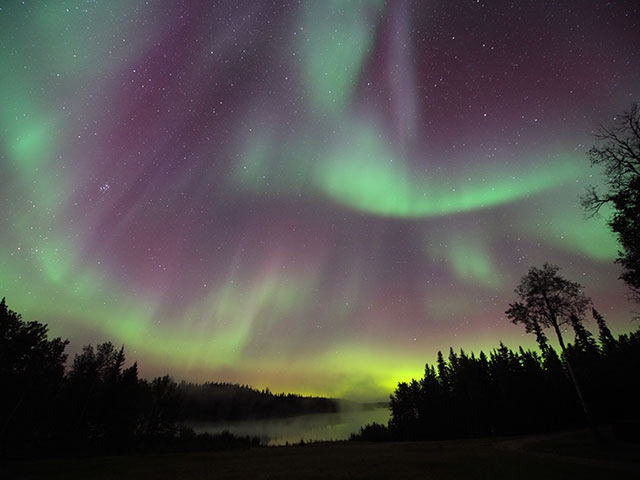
x,y
31,373
103,396
485,396
161,401
605,336
617,149
548,300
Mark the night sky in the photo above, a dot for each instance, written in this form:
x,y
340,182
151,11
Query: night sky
x,y
314,196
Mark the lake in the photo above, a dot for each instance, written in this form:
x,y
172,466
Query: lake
x,y
308,428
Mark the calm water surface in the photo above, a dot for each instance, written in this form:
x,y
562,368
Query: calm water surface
x,y
307,428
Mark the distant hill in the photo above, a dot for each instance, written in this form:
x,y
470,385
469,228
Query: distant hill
x,y
225,401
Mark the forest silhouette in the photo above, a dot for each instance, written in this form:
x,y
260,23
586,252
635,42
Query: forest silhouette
x,y
100,406
97,405
511,392
589,383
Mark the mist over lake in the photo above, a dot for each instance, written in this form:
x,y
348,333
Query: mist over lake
x,y
308,428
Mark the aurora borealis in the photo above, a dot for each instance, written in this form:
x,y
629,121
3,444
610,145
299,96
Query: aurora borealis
x,y
314,196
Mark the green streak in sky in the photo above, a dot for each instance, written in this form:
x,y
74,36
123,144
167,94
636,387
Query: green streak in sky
x,y
335,38
358,361
30,145
220,326
473,264
469,259
73,46
28,130
41,83
356,168
567,227
84,39
362,172
272,166
587,236
365,175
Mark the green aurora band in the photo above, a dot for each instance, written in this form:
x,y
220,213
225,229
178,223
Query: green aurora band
x,y
257,325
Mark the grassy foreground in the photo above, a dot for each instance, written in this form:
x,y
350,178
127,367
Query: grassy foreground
x,y
510,459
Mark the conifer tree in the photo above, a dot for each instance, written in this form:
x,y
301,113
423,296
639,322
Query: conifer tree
x,y
605,337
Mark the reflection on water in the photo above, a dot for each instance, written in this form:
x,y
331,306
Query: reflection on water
x,y
307,428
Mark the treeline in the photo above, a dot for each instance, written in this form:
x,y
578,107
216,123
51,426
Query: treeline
x,y
99,405
513,392
224,401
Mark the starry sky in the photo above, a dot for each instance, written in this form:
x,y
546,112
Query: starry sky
x,y
314,196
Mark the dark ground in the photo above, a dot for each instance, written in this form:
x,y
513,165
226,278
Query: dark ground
x,y
545,457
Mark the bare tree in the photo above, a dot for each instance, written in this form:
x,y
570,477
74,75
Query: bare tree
x,y
617,150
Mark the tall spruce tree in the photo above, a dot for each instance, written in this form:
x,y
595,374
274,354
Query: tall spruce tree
x,y
605,336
